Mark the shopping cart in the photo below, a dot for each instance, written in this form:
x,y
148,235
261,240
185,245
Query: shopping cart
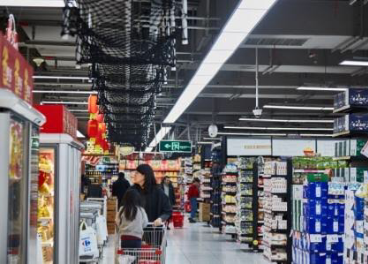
x,y
153,250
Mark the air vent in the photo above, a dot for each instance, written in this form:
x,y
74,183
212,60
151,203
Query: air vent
x,y
298,42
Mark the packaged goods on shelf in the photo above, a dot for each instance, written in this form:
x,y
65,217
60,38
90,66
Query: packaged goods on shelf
x,y
351,98
355,122
318,218
277,222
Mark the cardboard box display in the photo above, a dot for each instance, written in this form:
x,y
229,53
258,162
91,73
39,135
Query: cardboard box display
x,y
111,215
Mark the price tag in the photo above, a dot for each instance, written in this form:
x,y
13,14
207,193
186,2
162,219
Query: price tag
x,y
332,238
315,238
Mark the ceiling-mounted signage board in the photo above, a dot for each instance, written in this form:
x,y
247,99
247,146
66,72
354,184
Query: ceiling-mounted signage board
x,y
175,146
292,147
326,147
249,146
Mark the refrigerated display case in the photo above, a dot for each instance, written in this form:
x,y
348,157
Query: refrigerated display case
x,y
19,142
59,188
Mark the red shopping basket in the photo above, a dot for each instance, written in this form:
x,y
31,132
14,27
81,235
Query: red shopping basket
x,y
178,219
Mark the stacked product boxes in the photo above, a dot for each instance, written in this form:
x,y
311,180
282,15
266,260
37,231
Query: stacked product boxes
x,y
318,221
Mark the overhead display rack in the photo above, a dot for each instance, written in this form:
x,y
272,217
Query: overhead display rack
x,y
130,47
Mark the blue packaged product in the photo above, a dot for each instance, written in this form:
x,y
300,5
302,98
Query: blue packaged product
x,y
338,247
316,246
359,208
315,225
334,258
316,207
315,190
333,225
314,258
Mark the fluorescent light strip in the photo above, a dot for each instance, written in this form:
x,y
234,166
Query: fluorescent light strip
x,y
312,108
64,92
282,128
209,138
287,120
305,88
159,136
316,135
241,23
33,3
61,77
80,135
65,103
274,134
250,134
354,63
204,143
78,110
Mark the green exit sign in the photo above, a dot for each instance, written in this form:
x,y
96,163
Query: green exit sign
x,y
175,146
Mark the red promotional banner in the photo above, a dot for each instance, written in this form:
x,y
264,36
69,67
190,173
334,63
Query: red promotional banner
x,y
15,73
58,120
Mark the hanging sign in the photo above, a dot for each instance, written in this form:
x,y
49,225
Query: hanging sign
x,y
175,146
16,74
248,146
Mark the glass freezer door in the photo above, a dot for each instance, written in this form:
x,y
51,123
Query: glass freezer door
x,y
46,202
17,191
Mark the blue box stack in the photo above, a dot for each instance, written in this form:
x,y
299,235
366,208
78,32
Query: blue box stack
x,y
321,239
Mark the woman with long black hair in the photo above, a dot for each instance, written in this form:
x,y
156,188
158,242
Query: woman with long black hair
x,y
154,200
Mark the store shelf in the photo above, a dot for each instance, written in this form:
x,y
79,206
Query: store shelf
x,y
349,109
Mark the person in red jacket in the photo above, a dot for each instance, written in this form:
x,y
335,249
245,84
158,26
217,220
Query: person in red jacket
x,y
193,194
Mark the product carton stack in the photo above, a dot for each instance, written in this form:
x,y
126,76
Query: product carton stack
x,y
112,208
318,232
204,212
354,251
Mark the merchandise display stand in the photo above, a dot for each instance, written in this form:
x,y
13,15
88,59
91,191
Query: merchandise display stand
x,y
216,188
277,220
352,103
317,210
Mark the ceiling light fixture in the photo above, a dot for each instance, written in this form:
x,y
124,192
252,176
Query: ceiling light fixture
x,y
241,23
61,77
305,88
204,143
159,136
316,135
250,134
33,3
287,120
208,138
354,63
282,128
64,103
312,108
64,92
80,135
78,110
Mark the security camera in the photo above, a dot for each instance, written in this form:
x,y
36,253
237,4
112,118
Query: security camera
x,y
257,112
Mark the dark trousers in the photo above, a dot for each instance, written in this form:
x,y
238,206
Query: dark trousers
x,y
127,244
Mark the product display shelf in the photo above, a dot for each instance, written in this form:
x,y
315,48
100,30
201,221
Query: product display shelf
x,y
259,211
247,204
353,124
277,213
317,211
216,185
228,197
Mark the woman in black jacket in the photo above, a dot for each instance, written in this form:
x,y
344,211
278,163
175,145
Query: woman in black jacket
x,y
154,200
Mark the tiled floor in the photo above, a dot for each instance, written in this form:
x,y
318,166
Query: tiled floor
x,y
197,244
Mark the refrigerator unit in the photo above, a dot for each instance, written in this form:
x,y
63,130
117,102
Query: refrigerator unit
x,y
59,189
19,143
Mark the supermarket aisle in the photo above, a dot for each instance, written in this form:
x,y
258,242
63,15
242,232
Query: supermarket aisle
x,y
196,244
